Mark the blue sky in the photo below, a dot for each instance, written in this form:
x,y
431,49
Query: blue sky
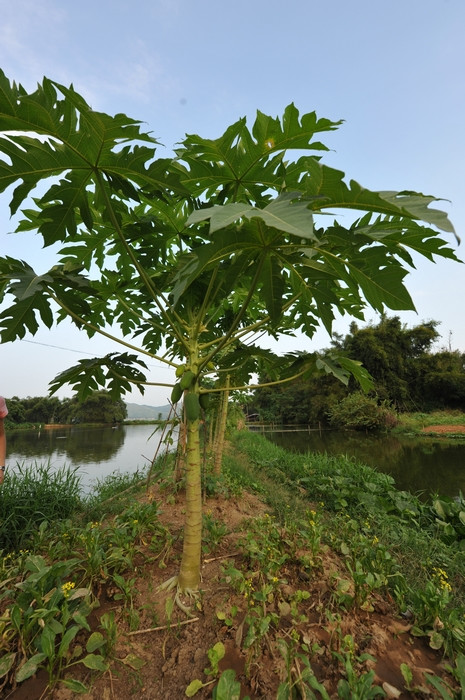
x,y
393,70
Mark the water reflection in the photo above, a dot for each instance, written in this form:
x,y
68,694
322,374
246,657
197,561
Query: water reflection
x,y
95,452
419,465
73,444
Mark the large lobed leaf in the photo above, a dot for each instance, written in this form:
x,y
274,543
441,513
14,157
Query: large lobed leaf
x,y
221,241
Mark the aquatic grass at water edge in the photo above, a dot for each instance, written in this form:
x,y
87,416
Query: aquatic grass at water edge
x,y
33,494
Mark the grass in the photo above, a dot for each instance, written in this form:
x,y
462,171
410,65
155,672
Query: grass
x,y
108,494
41,496
414,423
32,495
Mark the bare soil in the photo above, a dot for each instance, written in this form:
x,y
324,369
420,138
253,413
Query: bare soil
x,y
159,663
445,429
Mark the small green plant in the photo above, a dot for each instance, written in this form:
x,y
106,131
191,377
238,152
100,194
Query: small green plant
x,y
215,654
213,532
228,688
450,518
407,675
127,588
227,617
430,606
47,614
265,546
300,677
355,686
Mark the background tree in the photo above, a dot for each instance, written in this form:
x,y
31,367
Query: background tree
x,y
181,259
407,375
441,380
389,351
99,407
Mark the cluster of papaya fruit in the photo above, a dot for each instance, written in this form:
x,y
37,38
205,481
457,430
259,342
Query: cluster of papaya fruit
x,y
193,401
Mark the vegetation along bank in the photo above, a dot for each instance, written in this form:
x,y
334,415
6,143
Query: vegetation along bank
x,y
319,579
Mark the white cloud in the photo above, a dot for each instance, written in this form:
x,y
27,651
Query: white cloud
x,y
30,35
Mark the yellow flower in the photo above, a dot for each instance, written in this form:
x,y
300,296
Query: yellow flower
x,y
67,587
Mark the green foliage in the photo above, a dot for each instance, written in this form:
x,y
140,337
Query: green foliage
x,y
450,516
381,532
354,686
360,412
228,687
406,373
213,531
189,259
99,407
32,497
49,598
107,195
47,614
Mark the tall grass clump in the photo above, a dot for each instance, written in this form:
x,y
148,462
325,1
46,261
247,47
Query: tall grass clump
x,y
34,494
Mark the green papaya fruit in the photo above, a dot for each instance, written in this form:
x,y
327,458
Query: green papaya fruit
x,y
187,379
176,393
191,406
180,370
204,400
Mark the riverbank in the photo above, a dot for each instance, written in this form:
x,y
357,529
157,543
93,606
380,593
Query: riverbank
x,y
447,424
317,575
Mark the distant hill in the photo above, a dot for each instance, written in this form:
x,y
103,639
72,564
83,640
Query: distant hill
x,y
140,412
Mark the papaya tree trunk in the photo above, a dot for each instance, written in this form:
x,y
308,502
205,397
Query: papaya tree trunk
x,y
221,428
189,574
180,451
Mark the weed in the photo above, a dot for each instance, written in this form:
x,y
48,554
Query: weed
x,y
45,618
299,673
228,688
215,654
34,494
213,531
354,686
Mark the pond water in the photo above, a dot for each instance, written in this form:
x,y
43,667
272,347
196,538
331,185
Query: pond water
x,y
95,452
424,465
419,465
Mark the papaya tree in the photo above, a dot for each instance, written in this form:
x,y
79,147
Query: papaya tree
x,y
189,259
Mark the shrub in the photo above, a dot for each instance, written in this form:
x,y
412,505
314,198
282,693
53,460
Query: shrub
x,y
360,412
